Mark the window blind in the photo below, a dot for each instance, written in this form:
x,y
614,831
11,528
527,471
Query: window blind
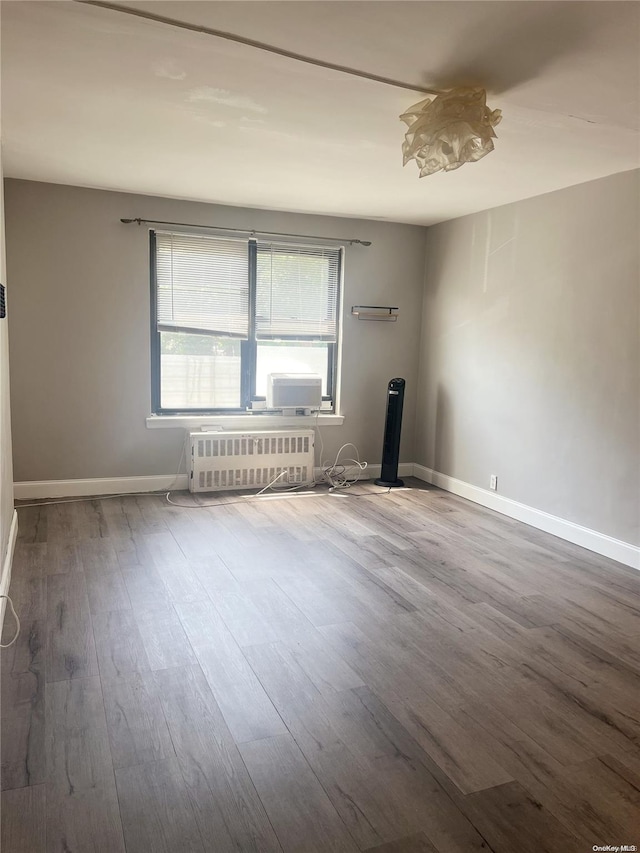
x,y
203,284
297,292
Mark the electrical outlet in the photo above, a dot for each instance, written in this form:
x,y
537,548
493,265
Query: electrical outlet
x,y
493,483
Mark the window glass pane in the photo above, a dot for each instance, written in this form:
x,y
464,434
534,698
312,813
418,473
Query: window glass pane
x,y
199,372
290,357
203,284
297,291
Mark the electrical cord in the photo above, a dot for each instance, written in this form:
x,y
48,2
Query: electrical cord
x,y
155,494
279,494
93,498
338,474
262,493
15,616
270,486
269,48
272,483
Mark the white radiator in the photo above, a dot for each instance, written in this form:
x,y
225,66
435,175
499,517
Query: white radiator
x,y
249,460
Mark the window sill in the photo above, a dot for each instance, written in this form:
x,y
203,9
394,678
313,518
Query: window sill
x,y
244,422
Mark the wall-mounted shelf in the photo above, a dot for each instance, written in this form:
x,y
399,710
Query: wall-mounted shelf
x,y
386,313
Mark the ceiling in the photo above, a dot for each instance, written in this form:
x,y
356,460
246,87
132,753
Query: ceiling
x,y
98,98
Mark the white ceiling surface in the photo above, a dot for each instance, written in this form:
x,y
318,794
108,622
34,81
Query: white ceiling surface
x,y
97,98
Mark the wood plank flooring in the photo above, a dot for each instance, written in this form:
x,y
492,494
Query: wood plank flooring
x,y
401,672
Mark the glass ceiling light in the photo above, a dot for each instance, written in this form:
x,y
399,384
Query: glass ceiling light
x,y
449,130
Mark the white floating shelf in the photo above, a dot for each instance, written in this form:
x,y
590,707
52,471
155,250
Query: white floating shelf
x,y
386,313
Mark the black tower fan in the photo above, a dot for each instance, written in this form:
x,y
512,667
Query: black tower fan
x,y
392,427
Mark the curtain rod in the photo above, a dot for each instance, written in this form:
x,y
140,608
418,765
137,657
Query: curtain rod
x,y
269,48
252,232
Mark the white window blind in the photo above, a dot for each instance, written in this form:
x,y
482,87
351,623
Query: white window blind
x,y
203,284
297,292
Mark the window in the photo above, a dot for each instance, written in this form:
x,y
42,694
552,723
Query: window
x,y
227,312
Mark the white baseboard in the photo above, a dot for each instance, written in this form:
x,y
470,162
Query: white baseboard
x,y
38,489
5,578
607,546
623,552
35,490
372,472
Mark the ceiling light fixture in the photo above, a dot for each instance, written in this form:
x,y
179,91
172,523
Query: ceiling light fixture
x,y
453,128
449,130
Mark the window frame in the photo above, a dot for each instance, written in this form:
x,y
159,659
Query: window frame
x,y
248,348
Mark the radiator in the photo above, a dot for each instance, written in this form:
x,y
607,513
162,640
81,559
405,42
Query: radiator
x,y
249,460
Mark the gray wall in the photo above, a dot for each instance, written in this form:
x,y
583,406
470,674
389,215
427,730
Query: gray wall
x,y
80,361
6,473
530,360
528,363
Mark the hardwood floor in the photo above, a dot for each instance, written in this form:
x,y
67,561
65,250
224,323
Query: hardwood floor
x,y
401,672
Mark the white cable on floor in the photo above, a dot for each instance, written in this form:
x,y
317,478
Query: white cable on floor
x,y
336,474
279,493
155,494
92,498
15,616
339,474
271,485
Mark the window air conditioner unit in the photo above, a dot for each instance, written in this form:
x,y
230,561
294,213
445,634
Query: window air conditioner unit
x,y
294,391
